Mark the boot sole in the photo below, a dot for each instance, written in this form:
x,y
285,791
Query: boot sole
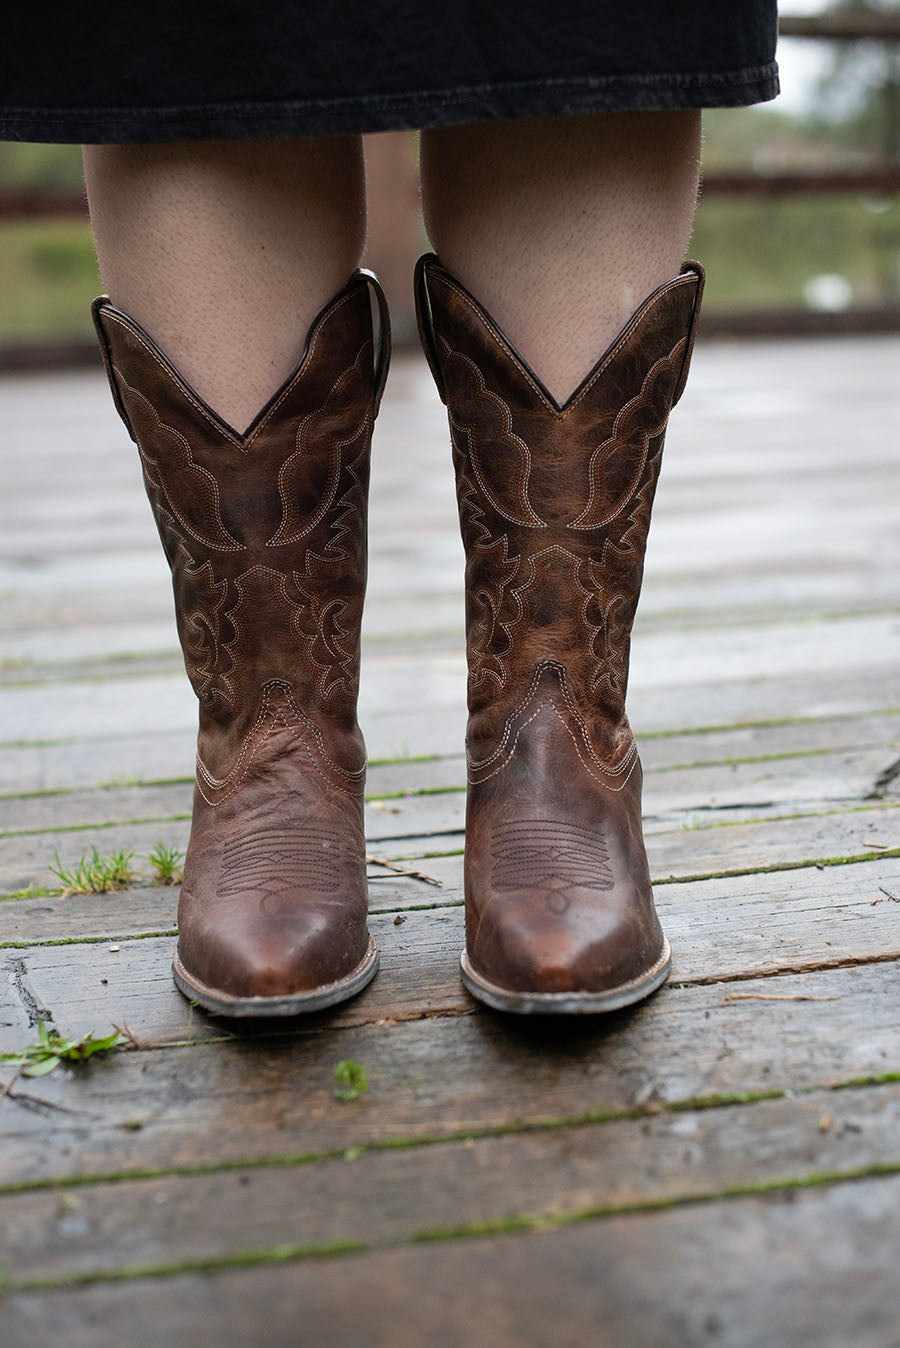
x,y
293,1004
566,1003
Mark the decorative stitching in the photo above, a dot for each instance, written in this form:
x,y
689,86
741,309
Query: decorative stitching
x,y
687,278
240,442
266,692
553,857
226,787
630,760
646,436
276,861
201,622
281,536
487,597
302,369
534,519
476,772
232,545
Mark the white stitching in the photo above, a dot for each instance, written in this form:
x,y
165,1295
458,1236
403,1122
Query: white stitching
x,y
238,773
646,437
306,362
629,761
497,337
278,538
506,417
559,671
239,441
234,545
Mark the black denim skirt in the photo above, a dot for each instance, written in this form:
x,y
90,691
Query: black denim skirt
x,y
171,70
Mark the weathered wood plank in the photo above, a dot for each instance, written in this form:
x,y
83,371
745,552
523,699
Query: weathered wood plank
x,y
751,926
416,706
836,775
390,1196
135,759
697,848
445,1076
745,1273
140,910
703,848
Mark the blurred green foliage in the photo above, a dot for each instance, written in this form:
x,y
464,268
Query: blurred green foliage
x,y
762,253
23,165
48,277
48,272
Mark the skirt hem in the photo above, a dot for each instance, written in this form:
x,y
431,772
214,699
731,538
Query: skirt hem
x,y
391,112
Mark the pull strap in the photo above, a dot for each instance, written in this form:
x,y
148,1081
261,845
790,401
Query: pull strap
x,y
692,328
425,321
383,359
97,307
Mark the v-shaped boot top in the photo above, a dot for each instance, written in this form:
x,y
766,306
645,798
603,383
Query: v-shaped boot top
x,y
335,330
447,309
539,463
271,483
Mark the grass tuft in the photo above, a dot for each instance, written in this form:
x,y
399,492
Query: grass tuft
x,y
30,892
95,874
167,863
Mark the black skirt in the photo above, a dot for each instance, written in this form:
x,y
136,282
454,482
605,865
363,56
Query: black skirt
x,y
106,72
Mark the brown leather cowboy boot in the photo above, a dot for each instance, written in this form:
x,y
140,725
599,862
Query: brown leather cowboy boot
x,y
554,505
265,533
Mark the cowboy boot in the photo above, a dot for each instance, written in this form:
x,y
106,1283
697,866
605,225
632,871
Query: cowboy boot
x,y
265,534
554,506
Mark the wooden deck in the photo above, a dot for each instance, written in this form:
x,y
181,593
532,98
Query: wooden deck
x,y
718,1166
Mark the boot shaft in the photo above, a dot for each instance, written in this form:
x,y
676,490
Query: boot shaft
x,y
265,530
554,502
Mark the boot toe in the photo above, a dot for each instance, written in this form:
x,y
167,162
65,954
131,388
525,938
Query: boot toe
x,y
597,952
250,955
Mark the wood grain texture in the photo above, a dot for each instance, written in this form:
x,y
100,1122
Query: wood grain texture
x,y
383,1197
719,930
748,1273
839,774
273,1093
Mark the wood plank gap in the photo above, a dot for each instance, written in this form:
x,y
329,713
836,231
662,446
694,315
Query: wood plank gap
x,y
593,1119
763,723
88,940
820,862
519,1224
93,828
810,967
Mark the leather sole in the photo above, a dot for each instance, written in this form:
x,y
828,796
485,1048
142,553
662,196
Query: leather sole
x,y
292,1004
566,1003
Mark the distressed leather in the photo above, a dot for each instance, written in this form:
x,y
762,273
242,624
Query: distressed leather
x,y
265,534
554,507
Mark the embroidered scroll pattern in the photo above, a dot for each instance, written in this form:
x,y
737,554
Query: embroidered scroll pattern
x,y
275,586
577,571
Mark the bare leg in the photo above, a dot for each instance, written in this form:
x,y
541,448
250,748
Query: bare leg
x,y
560,226
225,251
